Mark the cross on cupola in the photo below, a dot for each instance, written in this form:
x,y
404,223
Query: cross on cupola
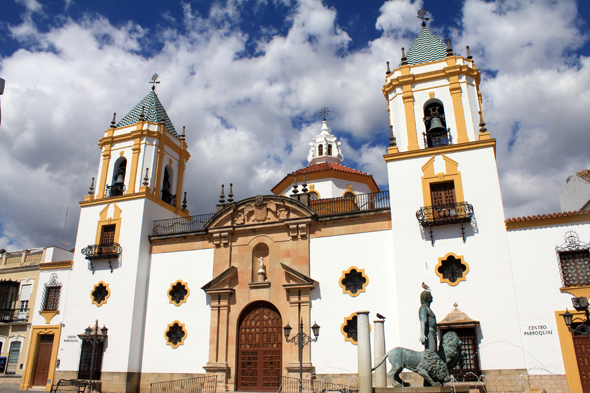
x,y
325,147
154,81
422,15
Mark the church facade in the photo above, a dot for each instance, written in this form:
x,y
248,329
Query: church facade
x,y
180,296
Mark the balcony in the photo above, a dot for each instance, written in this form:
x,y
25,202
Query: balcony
x,y
360,202
438,138
14,315
179,225
456,213
102,251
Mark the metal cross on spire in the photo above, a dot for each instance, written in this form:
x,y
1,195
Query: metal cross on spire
x,y
422,15
325,112
154,81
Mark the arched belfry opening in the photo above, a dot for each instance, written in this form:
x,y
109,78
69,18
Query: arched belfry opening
x,y
117,186
167,186
260,338
320,150
436,133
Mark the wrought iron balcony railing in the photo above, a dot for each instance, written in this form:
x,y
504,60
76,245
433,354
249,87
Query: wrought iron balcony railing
x,y
102,251
10,315
179,225
115,190
360,202
456,213
434,139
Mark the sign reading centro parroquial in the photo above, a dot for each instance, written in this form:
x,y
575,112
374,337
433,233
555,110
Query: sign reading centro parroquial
x,y
538,330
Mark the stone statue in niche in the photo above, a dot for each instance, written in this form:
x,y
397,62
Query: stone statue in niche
x,y
261,271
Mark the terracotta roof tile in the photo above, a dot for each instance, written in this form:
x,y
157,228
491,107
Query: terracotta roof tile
x,y
585,174
326,166
550,215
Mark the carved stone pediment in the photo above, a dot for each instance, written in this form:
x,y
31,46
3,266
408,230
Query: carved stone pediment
x,y
260,210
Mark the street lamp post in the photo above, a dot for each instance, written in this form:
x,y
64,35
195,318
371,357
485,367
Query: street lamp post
x,y
301,339
580,304
94,339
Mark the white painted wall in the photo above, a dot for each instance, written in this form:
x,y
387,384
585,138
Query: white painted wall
x,y
195,268
489,294
575,195
537,282
329,256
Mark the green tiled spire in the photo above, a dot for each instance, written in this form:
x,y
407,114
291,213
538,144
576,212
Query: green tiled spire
x,y
426,48
154,112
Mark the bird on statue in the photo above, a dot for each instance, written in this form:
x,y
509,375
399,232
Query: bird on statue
x,y
380,316
426,287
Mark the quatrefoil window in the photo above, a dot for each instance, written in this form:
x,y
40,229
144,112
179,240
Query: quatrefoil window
x,y
353,281
100,293
452,269
349,328
175,334
178,292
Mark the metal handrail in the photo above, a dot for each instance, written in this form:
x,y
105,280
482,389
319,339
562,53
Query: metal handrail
x,y
102,251
8,315
437,138
291,385
360,202
206,384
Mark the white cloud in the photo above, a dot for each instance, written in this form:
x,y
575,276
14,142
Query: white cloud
x,y
249,119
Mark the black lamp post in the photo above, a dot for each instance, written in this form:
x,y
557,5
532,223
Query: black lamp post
x,y
580,304
301,339
93,339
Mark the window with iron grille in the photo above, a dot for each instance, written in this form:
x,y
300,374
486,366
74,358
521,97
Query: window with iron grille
x,y
51,294
574,261
467,370
86,360
349,328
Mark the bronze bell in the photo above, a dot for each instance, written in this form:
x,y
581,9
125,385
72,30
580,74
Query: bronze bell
x,y
436,125
120,177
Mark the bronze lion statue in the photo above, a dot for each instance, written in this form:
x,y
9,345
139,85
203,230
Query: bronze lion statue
x,y
432,366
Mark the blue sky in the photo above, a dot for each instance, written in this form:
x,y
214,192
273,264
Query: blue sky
x,y
248,78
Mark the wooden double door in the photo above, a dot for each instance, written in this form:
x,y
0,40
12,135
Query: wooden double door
x,y
260,340
43,360
582,349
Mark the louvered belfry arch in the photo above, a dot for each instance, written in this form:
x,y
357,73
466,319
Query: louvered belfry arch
x,y
259,348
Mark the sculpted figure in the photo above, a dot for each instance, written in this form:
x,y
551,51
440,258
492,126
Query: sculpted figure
x,y
428,364
428,329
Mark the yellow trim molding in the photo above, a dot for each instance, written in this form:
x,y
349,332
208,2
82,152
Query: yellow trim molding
x,y
461,260
348,189
452,174
104,220
48,315
31,362
188,292
441,149
170,325
346,320
345,273
56,265
98,304
577,291
568,352
551,219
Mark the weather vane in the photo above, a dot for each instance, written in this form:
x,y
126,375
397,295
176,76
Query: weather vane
x,y
325,112
422,15
154,81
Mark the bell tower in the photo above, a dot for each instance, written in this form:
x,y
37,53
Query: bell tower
x,y
446,205
140,179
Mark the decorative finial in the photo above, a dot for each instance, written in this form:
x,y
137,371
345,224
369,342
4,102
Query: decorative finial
x,y
325,112
183,136
449,50
222,196
392,141
231,193
455,305
154,81
142,115
146,179
91,191
404,60
388,70
184,205
422,15
295,186
468,53
304,185
113,122
482,124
